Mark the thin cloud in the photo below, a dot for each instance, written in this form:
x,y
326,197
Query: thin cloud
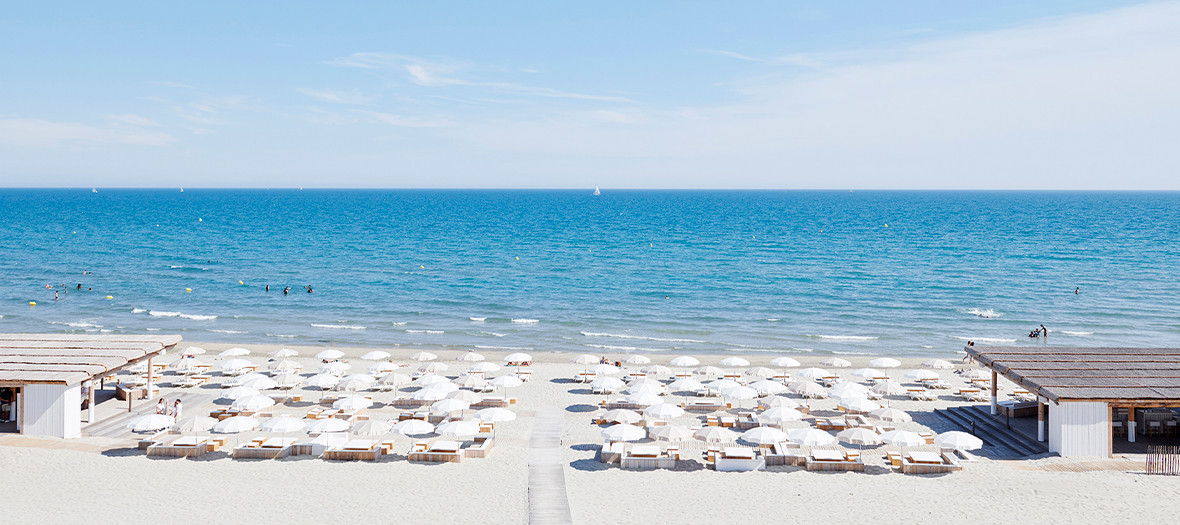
x,y
173,84
404,121
133,120
337,97
37,133
733,54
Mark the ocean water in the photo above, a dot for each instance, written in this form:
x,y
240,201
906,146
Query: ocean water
x,y
790,272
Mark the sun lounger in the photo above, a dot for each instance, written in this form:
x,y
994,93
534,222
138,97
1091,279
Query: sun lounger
x,y
747,420
183,447
265,448
611,452
921,462
704,404
494,401
784,453
441,451
738,459
826,460
646,457
480,447
354,450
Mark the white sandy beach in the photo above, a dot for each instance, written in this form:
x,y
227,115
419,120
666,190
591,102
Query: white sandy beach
x,y
104,479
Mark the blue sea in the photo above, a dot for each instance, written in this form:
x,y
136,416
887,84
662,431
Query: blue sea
x,y
898,273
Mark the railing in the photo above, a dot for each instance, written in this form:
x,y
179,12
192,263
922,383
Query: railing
x,y
1164,461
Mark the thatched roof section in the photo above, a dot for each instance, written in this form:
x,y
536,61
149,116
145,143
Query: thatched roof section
x,y
72,359
1088,374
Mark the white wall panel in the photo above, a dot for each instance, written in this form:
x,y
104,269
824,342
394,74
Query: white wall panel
x,y
53,410
1079,429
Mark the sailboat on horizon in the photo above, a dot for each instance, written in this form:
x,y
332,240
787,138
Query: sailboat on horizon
x,y
596,192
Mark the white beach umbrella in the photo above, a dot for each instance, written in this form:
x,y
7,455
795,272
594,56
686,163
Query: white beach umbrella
x,y
234,352
150,423
517,357
922,375
433,367
586,359
423,356
321,381
670,433
604,370
457,429
395,379
814,373
352,403
686,384
238,392
734,362
859,436
740,393
848,397
722,384
888,388
331,424
352,385
495,415
329,354
335,368
902,438
848,388
621,415
366,378
260,383
609,384
623,432
976,373
656,370
784,362
768,387
375,355
958,441
430,379
885,362
760,372
646,388
891,414
715,435
643,398
836,362
448,405
860,405
239,380
185,364
937,364
382,367
470,357
663,411
413,427
779,415
778,401
234,425
866,373
252,403
192,351
483,367
283,353
285,365
429,394
283,424
763,436
810,437
470,381
234,365
288,380
708,371
684,361
465,395
646,381
194,424
635,359
371,428
807,388
506,382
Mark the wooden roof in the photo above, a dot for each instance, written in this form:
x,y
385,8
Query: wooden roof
x,y
71,359
1149,375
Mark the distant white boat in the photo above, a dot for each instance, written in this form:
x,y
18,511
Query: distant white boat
x,y
182,190
93,190
596,192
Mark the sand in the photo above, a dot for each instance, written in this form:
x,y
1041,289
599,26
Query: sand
x,y
104,479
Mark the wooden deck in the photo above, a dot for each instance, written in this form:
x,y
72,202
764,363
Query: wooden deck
x,y
548,502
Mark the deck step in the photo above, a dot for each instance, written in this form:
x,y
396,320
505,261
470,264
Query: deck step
x,y
988,428
1030,443
999,447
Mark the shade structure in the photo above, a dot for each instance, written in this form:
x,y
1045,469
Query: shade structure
x,y
623,432
329,354
734,361
470,357
283,424
430,379
656,370
194,424
722,384
457,429
367,378
470,381
330,425
335,368
975,373
371,428
448,405
888,388
185,364
238,392
586,359
465,395
768,387
283,353
759,372
686,384
663,411
433,367
848,388
621,416
285,365
779,415
784,362
866,373
644,398
483,367
517,357
763,436
288,380
429,394
646,388
604,370
778,401
234,352
958,441
670,433
836,362
860,405
352,385
859,436
352,403
375,355
506,382
814,373
237,381
495,415
636,359
321,381
382,367
885,362
252,403
807,388
715,435
684,361
708,371
645,381
937,364
848,397
423,356
150,423
891,414
740,393
233,365
413,427
609,384
810,437
902,438
236,424
192,350
260,383
922,375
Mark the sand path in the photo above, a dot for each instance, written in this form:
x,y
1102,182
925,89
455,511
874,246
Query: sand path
x,y
548,502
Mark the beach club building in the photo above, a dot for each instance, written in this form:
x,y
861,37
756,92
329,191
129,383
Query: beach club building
x,y
1092,401
44,376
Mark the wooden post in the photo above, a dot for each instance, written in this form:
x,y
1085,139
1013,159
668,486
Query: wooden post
x,y
1040,420
148,393
995,396
130,394
1110,432
1130,424
90,403
20,405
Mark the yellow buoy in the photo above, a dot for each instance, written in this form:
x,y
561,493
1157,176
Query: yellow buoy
x,y
32,303
240,282
422,267
518,258
110,297
188,289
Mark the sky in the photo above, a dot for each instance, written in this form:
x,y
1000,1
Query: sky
x,y
750,94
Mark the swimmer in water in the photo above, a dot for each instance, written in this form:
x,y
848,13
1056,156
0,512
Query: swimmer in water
x,y
268,287
309,288
1077,290
285,290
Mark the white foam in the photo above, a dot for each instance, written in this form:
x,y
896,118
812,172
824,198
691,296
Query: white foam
x,y
478,319
619,348
334,326
774,319
526,321
495,334
986,339
153,329
986,314
196,317
837,352
229,331
281,335
802,349
399,323
493,347
77,324
138,310
161,313
640,337
425,332
1070,332
845,337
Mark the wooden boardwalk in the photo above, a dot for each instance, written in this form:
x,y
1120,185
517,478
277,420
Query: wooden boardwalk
x,y
114,426
548,502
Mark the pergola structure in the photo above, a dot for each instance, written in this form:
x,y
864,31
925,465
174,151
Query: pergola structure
x,y
50,369
1087,386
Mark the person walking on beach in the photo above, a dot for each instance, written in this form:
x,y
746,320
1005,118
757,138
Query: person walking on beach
x,y
176,409
162,407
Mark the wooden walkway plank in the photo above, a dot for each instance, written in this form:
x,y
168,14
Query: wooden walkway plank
x,y
548,502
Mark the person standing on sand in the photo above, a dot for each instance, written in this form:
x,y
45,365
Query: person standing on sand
x,y
176,409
